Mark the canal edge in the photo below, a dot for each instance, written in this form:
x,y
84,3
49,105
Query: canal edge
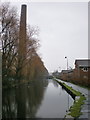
x,y
78,97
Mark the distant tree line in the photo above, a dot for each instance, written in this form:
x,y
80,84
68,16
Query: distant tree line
x,y
9,33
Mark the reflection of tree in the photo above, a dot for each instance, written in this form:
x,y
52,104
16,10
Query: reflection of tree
x,y
35,96
55,83
8,104
24,101
21,101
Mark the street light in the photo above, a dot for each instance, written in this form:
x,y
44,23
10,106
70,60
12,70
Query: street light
x,y
67,67
59,68
67,79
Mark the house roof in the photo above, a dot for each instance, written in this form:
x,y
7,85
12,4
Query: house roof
x,y
83,62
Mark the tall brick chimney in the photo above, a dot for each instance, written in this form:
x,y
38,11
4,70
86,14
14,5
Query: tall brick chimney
x,y
22,33
22,38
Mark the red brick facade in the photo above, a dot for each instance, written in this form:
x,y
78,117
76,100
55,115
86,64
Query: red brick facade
x,y
81,72
79,75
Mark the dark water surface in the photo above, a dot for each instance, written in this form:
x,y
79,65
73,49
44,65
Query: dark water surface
x,y
39,99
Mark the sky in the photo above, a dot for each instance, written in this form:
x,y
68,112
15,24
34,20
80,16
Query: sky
x,y
63,31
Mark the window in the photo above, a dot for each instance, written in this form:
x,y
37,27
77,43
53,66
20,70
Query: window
x,y
85,69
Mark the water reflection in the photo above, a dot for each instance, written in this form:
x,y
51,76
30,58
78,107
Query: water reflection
x,y
23,102
39,99
55,83
55,102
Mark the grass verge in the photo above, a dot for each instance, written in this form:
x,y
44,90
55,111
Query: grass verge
x,y
75,110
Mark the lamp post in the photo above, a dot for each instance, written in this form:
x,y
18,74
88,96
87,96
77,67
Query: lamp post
x,y
67,67
67,79
59,68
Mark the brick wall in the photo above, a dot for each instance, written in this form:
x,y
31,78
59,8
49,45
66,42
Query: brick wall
x,y
82,76
78,76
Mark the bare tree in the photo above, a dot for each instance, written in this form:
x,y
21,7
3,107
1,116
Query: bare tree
x,y
9,38
10,41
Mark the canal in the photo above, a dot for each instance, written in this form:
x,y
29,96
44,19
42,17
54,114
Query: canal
x,y
41,98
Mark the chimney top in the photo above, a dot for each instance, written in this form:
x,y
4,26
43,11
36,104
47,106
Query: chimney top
x,y
24,5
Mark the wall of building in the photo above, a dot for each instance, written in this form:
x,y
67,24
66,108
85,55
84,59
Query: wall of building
x,y
78,76
81,76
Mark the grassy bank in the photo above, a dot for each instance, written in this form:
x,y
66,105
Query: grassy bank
x,y
75,109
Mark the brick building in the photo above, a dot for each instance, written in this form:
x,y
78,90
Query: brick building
x,y
66,75
81,72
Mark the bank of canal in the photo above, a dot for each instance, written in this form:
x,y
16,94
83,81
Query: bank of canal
x,y
39,99
75,110
84,101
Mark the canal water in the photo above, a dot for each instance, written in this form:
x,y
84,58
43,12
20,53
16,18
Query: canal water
x,y
42,98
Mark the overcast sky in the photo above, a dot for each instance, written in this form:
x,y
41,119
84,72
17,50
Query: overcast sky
x,y
63,31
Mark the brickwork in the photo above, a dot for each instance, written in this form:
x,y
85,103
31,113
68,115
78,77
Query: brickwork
x,y
22,42
80,75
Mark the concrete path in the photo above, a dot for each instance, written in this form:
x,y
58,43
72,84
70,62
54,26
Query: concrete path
x,y
0,98
86,107
0,86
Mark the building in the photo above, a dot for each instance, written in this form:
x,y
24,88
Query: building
x,y
82,71
66,75
80,74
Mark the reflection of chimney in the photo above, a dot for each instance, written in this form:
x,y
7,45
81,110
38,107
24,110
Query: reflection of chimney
x,y
22,41
22,33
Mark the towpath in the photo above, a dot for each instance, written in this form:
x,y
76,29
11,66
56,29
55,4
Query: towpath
x,y
86,107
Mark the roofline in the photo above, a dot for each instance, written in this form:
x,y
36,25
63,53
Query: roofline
x,y
84,66
81,60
